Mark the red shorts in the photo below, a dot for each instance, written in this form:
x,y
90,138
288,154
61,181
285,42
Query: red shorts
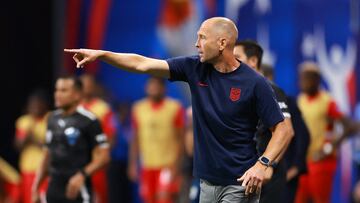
x,y
27,179
317,184
99,183
158,185
12,192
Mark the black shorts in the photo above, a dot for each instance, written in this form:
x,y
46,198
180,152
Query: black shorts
x,y
57,189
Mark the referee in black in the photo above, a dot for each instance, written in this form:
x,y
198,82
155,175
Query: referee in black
x,y
73,134
250,52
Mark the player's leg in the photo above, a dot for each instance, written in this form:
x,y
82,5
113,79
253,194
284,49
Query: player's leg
x,y
100,186
167,187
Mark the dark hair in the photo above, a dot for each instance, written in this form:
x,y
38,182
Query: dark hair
x,y
40,95
160,80
78,85
252,48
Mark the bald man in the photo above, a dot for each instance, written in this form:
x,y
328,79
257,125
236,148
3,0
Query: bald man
x,y
228,99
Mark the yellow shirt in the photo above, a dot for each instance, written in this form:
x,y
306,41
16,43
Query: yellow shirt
x,y
317,112
156,128
103,113
31,155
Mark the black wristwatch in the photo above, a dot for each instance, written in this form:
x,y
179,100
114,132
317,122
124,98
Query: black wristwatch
x,y
83,172
265,161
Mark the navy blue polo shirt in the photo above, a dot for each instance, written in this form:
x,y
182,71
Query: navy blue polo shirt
x,y
226,110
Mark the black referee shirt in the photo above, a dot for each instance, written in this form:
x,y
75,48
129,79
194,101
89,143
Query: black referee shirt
x,y
71,139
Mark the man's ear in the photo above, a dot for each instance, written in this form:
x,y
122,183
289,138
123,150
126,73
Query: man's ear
x,y
222,44
253,61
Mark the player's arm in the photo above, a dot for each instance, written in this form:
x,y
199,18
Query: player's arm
x,y
98,161
189,133
349,126
133,157
179,123
128,62
41,174
134,150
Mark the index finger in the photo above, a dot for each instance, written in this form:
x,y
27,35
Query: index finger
x,y
72,50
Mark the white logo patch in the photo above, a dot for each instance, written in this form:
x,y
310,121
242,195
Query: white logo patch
x,y
48,136
101,138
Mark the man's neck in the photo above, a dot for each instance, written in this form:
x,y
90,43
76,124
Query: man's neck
x,y
70,110
87,99
226,63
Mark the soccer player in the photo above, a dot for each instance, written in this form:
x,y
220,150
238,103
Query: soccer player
x,y
30,138
73,134
320,112
158,133
228,99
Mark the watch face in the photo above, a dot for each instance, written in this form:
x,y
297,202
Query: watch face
x,y
265,160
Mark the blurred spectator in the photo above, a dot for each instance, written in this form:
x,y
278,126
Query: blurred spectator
x,y
30,137
193,190
105,115
72,138
120,188
158,129
9,183
320,113
295,156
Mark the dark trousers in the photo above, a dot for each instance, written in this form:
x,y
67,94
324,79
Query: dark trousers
x,y
120,188
273,191
290,192
56,192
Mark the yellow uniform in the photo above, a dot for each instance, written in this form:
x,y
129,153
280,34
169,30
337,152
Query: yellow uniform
x,y
31,155
156,130
318,112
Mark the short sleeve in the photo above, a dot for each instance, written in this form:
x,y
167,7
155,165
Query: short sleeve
x,y
179,120
109,124
22,126
49,132
267,107
333,111
96,135
181,67
282,100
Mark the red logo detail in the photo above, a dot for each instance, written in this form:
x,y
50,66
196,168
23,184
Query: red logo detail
x,y
235,94
202,84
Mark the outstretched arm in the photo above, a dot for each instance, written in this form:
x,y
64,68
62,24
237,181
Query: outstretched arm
x,y
128,62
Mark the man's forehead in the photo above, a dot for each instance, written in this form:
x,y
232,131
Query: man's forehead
x,y
203,30
65,82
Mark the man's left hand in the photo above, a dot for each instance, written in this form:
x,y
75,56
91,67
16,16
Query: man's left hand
x,y
74,185
255,177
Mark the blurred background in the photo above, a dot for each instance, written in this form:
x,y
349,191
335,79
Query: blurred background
x,y
290,31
